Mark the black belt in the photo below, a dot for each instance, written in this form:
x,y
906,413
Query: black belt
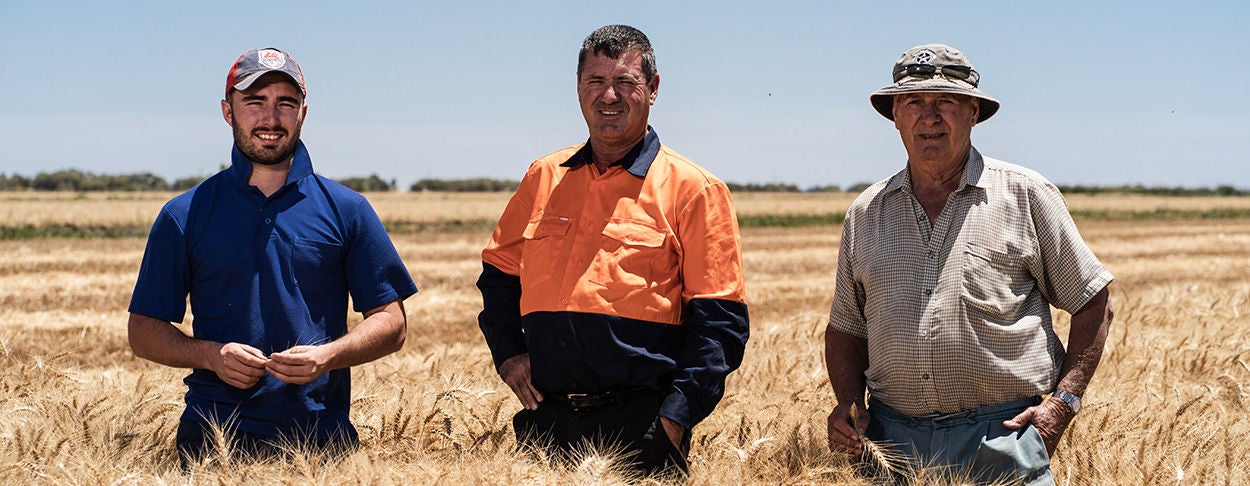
x,y
589,402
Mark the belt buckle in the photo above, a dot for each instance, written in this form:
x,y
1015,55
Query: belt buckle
x,y
582,402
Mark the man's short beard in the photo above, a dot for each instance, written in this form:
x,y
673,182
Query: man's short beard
x,y
264,156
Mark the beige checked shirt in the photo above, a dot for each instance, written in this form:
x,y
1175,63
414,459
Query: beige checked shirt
x,y
957,316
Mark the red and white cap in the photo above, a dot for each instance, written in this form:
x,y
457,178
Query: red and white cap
x,y
258,62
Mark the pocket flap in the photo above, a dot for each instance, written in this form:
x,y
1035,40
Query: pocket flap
x,y
547,226
634,233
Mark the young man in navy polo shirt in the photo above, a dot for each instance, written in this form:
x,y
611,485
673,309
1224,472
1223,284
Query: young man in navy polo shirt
x,y
268,252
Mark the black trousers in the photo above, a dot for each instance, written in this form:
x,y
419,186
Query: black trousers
x,y
194,442
633,428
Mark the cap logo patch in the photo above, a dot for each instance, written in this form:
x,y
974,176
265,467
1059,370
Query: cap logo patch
x,y
271,59
924,57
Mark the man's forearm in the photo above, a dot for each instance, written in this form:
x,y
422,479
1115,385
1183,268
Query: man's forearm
x,y
160,342
1085,343
846,359
382,332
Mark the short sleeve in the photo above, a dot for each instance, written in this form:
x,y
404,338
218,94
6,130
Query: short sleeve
x,y
165,274
847,312
376,275
1068,273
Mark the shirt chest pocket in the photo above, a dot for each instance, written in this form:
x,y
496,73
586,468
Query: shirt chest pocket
x,y
317,265
632,254
543,247
995,282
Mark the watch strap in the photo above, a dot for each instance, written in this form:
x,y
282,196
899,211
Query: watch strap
x,y
1073,401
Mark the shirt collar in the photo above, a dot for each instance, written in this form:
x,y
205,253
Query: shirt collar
x,y
637,161
973,171
974,167
301,165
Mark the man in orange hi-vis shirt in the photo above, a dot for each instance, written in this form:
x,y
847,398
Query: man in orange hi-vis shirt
x,y
614,301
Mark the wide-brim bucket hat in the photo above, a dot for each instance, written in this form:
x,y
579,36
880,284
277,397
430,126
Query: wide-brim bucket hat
x,y
933,68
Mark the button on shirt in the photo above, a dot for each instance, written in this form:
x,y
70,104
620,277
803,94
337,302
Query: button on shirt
x,y
957,314
271,273
632,277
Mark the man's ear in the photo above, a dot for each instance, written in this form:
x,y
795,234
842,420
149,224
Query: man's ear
x,y
654,84
226,112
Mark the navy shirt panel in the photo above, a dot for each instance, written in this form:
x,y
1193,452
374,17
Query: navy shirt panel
x,y
578,352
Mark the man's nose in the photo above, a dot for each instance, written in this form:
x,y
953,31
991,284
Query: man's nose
x,y
929,110
270,116
610,95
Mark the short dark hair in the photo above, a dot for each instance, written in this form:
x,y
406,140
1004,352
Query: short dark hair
x,y
614,40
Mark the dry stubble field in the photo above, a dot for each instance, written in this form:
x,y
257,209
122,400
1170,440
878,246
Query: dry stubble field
x,y
1166,407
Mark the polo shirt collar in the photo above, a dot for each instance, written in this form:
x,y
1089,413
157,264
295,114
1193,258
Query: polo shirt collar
x,y
637,161
974,167
301,165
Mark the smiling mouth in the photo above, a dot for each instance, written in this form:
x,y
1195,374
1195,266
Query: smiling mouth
x,y
610,112
934,136
269,137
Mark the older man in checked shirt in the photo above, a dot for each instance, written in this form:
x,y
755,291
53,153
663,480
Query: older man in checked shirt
x,y
946,275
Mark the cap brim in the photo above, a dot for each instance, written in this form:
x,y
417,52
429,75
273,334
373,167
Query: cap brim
x,y
883,99
246,81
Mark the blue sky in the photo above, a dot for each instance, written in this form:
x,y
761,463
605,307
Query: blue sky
x,y
1103,93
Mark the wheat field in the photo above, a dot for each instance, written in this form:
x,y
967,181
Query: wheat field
x,y
76,407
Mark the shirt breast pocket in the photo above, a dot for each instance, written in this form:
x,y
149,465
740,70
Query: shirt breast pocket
x,y
994,282
542,247
317,265
631,252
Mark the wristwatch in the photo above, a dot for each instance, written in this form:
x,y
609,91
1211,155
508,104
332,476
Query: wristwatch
x,y
1073,401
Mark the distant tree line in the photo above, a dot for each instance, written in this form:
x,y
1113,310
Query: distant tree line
x,y
1155,191
373,183
75,180
464,185
784,187
79,181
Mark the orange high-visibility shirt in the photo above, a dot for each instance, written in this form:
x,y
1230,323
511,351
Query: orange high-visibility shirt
x,y
619,244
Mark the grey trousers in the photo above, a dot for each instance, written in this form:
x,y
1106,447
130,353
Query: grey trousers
x,y
971,445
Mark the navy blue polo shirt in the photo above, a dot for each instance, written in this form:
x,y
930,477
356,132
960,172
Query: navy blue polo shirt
x,y
271,273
